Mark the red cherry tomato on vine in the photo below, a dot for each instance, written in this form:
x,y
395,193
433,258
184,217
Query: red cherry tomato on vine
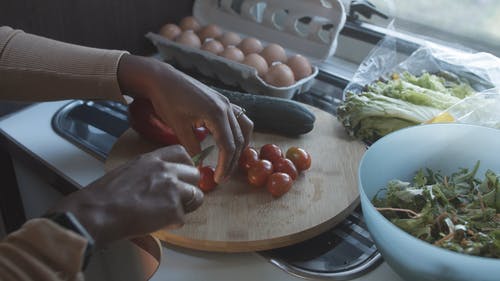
x,y
300,158
279,184
249,156
271,152
286,166
259,172
207,182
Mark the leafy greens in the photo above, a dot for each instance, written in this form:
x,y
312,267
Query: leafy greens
x,y
457,212
403,100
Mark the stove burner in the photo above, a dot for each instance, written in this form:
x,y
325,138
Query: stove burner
x,y
341,253
92,126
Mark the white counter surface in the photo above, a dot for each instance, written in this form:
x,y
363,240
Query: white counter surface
x,y
31,129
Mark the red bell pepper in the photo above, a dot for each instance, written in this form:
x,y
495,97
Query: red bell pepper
x,y
144,120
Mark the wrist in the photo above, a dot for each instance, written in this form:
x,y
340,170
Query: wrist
x,y
87,215
139,76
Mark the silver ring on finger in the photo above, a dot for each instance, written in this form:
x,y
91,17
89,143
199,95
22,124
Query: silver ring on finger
x,y
240,113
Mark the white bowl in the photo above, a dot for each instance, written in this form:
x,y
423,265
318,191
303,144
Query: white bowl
x,y
444,147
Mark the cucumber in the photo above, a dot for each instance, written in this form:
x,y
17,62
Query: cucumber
x,y
273,115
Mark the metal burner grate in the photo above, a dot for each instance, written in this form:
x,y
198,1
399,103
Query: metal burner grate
x,y
341,253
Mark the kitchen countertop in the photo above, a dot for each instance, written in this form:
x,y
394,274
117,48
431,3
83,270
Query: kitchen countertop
x,y
30,130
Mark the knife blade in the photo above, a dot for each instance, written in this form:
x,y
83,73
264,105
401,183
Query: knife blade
x,y
198,158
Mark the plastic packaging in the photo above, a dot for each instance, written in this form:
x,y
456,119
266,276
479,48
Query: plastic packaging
x,y
441,78
227,71
480,70
308,27
481,109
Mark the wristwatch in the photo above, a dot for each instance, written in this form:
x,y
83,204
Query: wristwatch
x,y
70,222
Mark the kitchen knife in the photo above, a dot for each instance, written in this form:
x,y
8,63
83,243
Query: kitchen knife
x,y
198,158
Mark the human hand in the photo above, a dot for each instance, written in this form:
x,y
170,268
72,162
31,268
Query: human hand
x,y
151,192
184,103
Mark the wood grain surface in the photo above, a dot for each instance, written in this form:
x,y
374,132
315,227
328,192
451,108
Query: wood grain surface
x,y
239,218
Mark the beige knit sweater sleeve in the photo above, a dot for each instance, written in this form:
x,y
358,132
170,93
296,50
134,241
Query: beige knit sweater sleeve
x,y
34,68
42,250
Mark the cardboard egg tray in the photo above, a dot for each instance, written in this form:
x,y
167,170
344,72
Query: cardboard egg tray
x,y
259,19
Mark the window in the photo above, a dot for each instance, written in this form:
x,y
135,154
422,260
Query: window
x,y
471,23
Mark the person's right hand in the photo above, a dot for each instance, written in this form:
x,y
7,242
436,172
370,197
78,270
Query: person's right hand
x,y
183,103
144,195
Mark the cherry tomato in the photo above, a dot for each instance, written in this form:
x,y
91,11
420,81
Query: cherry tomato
x,y
249,156
207,182
286,166
271,152
300,158
279,184
259,172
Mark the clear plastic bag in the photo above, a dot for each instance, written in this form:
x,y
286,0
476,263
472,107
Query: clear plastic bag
x,y
481,70
390,91
481,109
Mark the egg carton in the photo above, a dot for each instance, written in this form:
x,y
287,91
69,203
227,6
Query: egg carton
x,y
306,27
225,70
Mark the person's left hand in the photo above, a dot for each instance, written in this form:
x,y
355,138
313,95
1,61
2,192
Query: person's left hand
x,y
184,103
152,191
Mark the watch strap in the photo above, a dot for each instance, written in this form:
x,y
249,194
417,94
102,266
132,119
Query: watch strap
x,y
70,222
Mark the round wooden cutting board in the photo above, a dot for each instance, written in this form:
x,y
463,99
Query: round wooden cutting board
x,y
237,217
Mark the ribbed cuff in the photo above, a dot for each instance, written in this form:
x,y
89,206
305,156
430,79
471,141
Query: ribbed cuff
x,y
34,68
43,248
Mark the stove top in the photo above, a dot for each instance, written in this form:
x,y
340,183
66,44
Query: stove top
x,y
342,253
92,126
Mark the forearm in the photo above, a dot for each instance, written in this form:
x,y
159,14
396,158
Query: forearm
x,y
34,68
41,250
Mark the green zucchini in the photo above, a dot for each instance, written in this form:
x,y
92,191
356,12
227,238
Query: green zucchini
x,y
273,115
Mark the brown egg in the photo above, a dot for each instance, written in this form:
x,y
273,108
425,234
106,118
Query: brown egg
x,y
170,31
300,66
250,45
232,53
279,75
273,53
189,38
230,38
209,31
212,46
189,23
258,62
